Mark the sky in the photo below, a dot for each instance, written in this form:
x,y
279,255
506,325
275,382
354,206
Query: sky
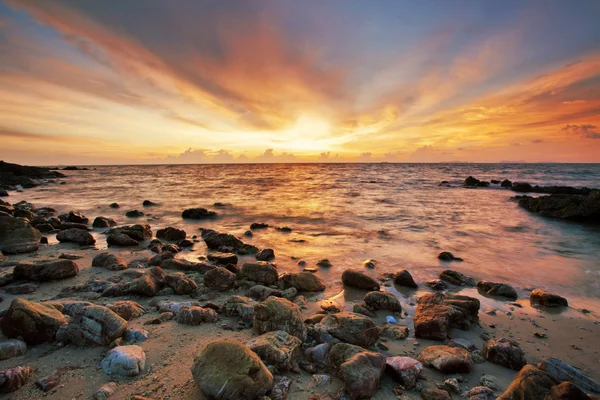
x,y
205,81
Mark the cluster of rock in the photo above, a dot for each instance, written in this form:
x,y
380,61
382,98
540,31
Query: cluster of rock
x,y
12,175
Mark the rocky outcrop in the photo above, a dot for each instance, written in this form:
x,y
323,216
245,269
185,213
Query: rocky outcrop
x,y
304,282
530,383
474,182
75,235
350,327
277,348
583,208
15,174
261,272
547,299
359,280
276,314
46,271
436,313
504,352
36,322
219,278
109,261
198,213
446,359
227,369
497,289
17,235
359,369
125,361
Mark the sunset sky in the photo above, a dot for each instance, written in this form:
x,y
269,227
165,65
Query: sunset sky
x,y
193,81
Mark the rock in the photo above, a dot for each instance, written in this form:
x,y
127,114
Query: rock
x,y
124,361
17,235
93,325
48,383
436,313
359,280
277,348
261,293
382,301
258,225
324,263
462,343
10,348
240,306
435,394
114,205
276,314
447,256
148,203
436,284
127,309
351,328
370,263
521,187
185,265
318,354
222,258
547,299
404,278
497,289
46,271
226,369
180,283
304,282
480,393
394,332
261,271
407,370
361,308
37,323
581,208
25,288
446,359
215,240
74,217
281,387
219,279
171,234
565,372
456,278
137,232
106,391
504,352
359,369
103,222
194,315
134,214
120,239
109,261
198,213
74,235
530,383
567,391
12,379
265,255
506,183
149,283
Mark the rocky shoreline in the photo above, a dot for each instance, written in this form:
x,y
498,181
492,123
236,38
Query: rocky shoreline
x,y
137,318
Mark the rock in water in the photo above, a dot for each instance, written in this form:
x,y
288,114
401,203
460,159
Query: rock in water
x,y
404,278
504,352
219,279
261,272
265,255
276,314
17,235
46,271
13,378
10,348
304,282
198,213
109,261
584,208
103,222
359,280
480,393
547,299
350,327
456,278
446,359
565,372
75,235
277,348
382,301
436,313
37,323
406,369
125,361
497,289
531,383
228,370
171,234
359,369
222,258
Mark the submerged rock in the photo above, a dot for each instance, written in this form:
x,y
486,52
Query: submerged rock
x,y
277,348
124,361
547,299
359,280
276,314
17,235
447,256
504,352
46,271
134,214
265,255
446,359
37,323
229,370
436,313
404,278
497,289
456,278
350,327
198,213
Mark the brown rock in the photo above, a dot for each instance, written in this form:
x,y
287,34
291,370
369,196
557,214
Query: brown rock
x,y
446,359
36,322
436,313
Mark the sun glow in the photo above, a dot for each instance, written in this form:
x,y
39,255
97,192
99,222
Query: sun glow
x,y
310,133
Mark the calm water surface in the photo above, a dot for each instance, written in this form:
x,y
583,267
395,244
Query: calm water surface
x,y
338,211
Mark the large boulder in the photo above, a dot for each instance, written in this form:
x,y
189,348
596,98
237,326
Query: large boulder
x,y
446,359
584,208
350,327
46,271
36,322
436,313
497,289
359,369
404,278
109,261
277,348
382,301
407,370
124,361
93,325
276,314
229,370
17,235
219,278
565,372
359,280
547,299
261,272
171,234
75,235
504,352
304,281
530,383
